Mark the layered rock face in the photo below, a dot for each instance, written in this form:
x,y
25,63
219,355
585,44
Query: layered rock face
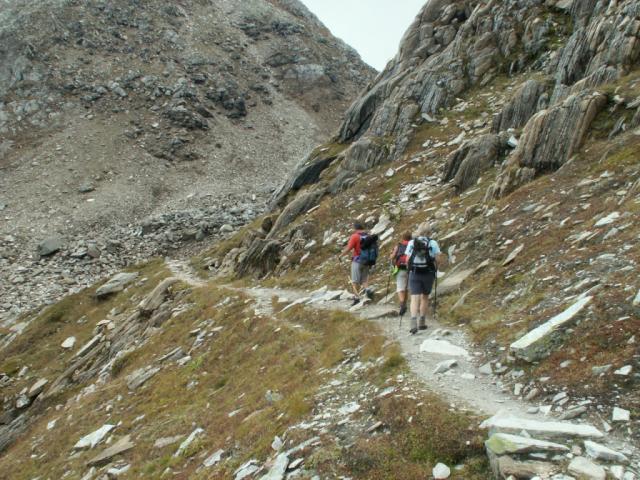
x,y
136,126
567,48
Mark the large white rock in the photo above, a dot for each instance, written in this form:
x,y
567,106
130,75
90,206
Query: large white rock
x,y
278,469
116,284
600,452
441,472
620,415
69,343
535,344
505,443
586,469
94,438
510,424
188,441
442,347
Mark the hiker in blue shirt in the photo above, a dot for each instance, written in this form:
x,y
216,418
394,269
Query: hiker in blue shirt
x,y
424,256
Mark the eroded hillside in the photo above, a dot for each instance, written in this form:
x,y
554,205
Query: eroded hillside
x,y
129,128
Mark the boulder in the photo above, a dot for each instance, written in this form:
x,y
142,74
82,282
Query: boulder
x,y
529,98
585,469
152,301
507,467
49,246
441,472
601,452
539,341
140,377
116,284
442,347
279,468
466,164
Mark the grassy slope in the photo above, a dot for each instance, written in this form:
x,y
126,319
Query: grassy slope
x,y
292,353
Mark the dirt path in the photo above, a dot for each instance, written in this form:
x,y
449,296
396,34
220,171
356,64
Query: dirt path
x,y
462,385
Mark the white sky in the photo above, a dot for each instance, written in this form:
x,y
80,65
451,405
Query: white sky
x,y
373,27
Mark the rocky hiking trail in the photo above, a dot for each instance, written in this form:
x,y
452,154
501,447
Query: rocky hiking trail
x,y
446,363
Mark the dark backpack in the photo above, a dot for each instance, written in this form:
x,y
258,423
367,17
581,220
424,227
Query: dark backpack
x,y
368,249
401,260
421,260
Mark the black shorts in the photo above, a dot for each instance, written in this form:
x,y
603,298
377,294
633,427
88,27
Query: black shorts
x,y
421,283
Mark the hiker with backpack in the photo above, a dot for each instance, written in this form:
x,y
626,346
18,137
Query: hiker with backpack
x,y
423,255
400,262
363,249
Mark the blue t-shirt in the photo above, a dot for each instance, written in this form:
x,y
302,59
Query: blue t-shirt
x,y
434,248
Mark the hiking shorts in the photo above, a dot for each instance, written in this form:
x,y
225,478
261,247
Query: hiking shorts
x,y
359,273
402,281
421,283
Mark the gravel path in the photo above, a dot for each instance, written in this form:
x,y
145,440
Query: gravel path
x,y
463,385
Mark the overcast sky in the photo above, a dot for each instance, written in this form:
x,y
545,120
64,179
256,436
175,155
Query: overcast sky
x,y
373,27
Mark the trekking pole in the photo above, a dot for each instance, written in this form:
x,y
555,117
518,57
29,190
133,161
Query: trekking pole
x,y
435,295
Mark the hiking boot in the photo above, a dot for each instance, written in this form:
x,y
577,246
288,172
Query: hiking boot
x,y
422,327
369,293
403,309
413,331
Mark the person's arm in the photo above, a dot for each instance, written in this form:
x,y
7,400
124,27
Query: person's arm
x,y
442,260
392,257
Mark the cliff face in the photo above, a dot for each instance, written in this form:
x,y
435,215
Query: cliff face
x,y
567,49
129,128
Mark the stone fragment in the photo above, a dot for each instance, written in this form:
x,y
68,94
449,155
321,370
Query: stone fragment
x,y
94,438
121,446
624,371
636,300
452,282
512,256
166,441
246,470
507,466
620,415
116,284
278,469
188,441
601,452
511,424
139,377
504,443
445,366
37,388
213,459
586,469
87,347
442,347
486,369
599,370
69,343
535,344
49,246
441,472
573,413
152,301
612,217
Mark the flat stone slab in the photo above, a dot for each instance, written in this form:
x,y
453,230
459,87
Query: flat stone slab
x,y
510,424
535,344
442,347
116,284
505,443
121,446
453,281
94,438
600,452
586,470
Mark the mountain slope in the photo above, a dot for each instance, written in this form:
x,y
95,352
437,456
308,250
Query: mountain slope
x,y
111,112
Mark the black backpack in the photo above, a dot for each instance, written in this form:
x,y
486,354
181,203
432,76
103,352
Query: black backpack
x,y
368,249
421,260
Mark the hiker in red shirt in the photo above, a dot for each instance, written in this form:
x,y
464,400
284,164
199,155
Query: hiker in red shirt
x,y
359,272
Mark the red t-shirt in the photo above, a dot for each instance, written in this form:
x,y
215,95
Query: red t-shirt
x,y
354,243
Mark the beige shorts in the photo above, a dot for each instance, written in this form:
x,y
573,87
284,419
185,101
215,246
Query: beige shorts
x,y
359,273
402,281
